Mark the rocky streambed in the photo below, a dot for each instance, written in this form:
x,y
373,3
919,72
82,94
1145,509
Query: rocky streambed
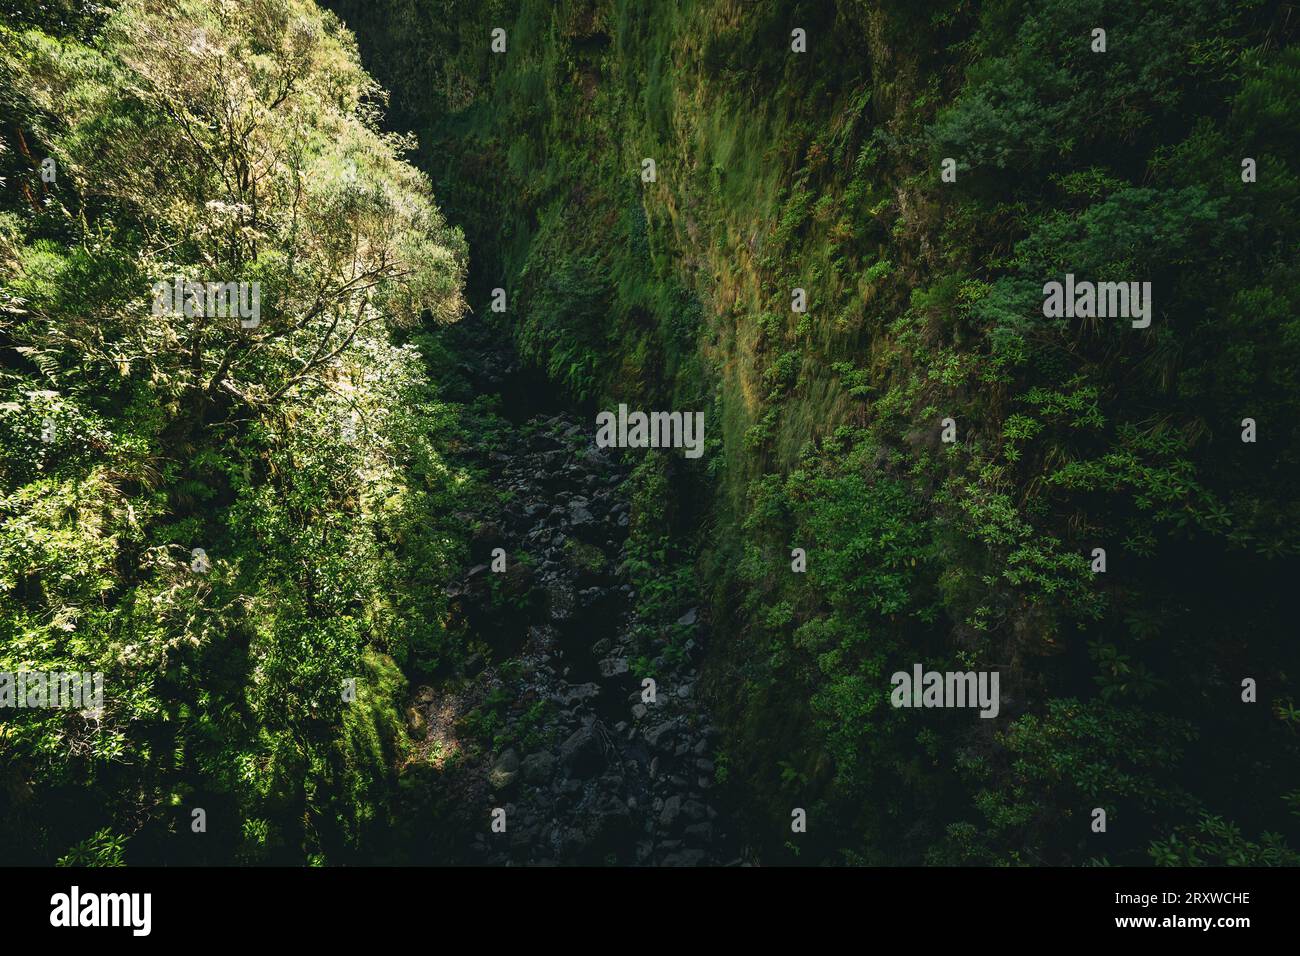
x,y
553,746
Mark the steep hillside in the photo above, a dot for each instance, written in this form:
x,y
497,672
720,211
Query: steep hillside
x,y
801,146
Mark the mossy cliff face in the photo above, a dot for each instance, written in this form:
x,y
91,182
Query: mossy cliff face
x,y
777,170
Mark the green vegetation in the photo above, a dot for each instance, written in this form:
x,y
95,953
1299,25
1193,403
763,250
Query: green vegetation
x,y
316,457
306,456
821,171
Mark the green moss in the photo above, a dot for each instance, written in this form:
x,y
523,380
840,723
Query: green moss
x,y
821,172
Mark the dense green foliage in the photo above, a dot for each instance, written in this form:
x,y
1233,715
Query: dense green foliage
x,y
306,455
821,171
315,457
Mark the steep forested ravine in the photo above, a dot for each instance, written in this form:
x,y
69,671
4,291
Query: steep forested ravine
x,y
828,225
552,722
306,311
